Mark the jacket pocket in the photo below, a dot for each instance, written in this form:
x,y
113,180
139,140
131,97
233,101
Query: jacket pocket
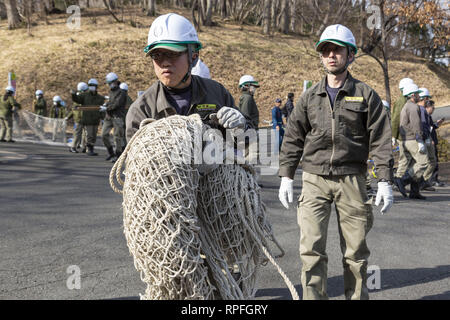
x,y
354,118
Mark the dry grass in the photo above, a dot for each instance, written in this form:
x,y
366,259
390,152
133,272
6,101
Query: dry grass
x,y
56,58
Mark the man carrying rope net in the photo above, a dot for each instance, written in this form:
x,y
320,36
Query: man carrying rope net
x,y
195,231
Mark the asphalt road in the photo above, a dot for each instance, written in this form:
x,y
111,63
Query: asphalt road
x,y
58,214
442,112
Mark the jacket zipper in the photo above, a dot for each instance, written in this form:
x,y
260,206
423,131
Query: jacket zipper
x,y
333,124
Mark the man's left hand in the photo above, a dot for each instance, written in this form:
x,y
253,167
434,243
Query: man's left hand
x,y
230,118
384,192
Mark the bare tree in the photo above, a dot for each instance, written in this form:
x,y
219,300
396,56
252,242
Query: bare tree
x,y
12,14
267,16
151,9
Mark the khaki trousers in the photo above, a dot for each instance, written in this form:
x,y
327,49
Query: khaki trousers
x,y
80,136
119,133
355,219
6,126
412,160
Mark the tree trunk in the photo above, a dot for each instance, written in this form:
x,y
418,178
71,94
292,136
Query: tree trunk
x,y
266,16
284,17
293,15
151,9
12,14
385,54
208,13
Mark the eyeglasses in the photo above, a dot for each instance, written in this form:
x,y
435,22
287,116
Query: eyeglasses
x,y
159,56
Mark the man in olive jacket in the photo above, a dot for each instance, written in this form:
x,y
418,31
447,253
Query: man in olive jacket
x,y
8,105
40,109
333,128
90,104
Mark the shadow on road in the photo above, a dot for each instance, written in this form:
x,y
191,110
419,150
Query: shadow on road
x,y
390,279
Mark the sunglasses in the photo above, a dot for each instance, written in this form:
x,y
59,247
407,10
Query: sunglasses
x,y
159,56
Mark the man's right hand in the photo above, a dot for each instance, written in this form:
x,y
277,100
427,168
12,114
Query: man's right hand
x,y
286,192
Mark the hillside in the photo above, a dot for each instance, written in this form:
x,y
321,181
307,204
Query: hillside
x,y
56,58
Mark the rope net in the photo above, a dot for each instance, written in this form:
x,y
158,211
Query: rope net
x,y
31,127
191,236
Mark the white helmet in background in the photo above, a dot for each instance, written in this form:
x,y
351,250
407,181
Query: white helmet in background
x,y
403,82
11,89
111,77
410,89
124,86
424,93
201,69
93,82
337,34
39,92
173,32
82,86
57,99
247,80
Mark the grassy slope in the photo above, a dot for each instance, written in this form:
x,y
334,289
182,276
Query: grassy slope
x,y
56,58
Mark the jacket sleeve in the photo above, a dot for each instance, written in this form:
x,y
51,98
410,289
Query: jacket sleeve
x,y
78,98
380,133
295,133
135,115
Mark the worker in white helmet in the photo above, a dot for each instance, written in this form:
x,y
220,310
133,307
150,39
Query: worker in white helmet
x,y
332,128
397,109
114,118
8,106
80,134
413,160
427,123
173,46
58,113
40,109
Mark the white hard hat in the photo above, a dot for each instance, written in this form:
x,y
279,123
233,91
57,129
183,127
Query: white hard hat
x,y
247,79
173,32
337,34
404,82
82,86
110,77
410,88
57,99
386,104
92,82
10,88
38,92
201,69
124,86
424,93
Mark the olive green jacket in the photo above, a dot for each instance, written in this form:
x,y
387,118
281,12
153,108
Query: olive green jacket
x,y
338,140
91,99
115,107
208,96
58,111
40,107
8,106
248,107
395,114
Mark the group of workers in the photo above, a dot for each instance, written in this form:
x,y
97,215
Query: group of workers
x,y
331,130
414,130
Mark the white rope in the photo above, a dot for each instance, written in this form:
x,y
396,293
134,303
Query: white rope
x,y
191,236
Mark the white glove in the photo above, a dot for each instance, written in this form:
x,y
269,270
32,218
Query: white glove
x,y
286,192
394,141
103,108
384,192
422,148
230,118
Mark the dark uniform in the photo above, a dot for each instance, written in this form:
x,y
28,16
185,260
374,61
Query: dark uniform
x,y
249,109
90,118
115,118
